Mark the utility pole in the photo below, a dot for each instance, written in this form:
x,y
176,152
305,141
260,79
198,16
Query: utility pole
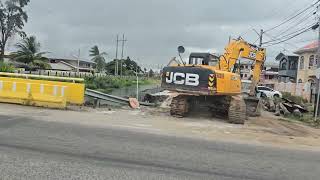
x,y
123,41
261,35
78,60
137,76
116,63
318,78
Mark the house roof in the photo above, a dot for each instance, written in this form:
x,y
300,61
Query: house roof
x,y
311,47
60,66
73,59
281,55
272,64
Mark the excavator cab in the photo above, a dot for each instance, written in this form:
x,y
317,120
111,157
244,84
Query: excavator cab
x,y
203,59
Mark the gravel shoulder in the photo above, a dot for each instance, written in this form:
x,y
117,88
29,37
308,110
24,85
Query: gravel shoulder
x,y
264,130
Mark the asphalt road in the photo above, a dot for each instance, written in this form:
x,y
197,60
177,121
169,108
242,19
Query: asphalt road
x,y
33,149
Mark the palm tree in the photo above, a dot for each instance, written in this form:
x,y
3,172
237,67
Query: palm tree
x,y
28,52
98,57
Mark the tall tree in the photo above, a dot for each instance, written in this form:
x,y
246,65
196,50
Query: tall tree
x,y
28,52
98,57
12,20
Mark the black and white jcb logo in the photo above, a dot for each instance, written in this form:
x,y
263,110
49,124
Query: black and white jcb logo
x,y
178,78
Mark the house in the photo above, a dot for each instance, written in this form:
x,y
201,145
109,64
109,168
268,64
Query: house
x,y
288,67
297,73
246,67
72,64
308,62
269,75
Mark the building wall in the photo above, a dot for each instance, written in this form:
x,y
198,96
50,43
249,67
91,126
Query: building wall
x,y
306,72
297,89
245,71
288,66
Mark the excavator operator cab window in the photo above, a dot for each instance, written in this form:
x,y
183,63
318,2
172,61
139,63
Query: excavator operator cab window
x,y
197,61
203,59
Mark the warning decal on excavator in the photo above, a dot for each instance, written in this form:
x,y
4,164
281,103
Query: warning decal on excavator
x,y
211,80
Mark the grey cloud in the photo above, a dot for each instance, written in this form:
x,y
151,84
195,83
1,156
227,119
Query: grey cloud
x,y
154,28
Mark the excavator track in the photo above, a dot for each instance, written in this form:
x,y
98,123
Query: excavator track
x,y
237,110
179,106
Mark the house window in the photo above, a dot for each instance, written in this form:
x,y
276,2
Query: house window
x,y
283,64
302,62
292,65
311,61
300,81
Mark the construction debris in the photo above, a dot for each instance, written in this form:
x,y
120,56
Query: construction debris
x,y
283,106
157,97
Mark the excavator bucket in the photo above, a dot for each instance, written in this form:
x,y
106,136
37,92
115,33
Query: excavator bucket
x,y
253,105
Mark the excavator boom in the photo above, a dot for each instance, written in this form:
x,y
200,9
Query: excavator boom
x,y
240,49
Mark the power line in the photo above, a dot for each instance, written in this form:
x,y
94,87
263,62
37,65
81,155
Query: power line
x,y
272,44
290,44
302,20
299,31
291,18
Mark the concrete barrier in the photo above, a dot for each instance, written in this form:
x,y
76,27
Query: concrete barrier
x,y
75,86
35,94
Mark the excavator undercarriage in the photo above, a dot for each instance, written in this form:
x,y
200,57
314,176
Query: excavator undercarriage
x,y
231,107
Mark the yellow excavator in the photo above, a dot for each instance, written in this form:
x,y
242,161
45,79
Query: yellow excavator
x,y
214,82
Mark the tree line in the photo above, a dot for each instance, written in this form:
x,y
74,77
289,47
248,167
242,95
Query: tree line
x,y
28,51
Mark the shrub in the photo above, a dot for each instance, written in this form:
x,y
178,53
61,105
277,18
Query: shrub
x,y
5,67
296,99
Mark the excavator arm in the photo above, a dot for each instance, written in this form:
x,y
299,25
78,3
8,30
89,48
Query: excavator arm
x,y
237,49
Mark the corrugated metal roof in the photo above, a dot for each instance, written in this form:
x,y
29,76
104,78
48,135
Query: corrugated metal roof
x,y
309,47
73,59
60,66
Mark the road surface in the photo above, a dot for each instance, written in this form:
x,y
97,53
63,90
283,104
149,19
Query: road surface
x,y
33,149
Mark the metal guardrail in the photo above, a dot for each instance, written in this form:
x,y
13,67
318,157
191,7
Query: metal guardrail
x,y
110,98
70,74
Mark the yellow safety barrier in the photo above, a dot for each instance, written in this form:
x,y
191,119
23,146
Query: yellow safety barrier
x,y
75,86
34,94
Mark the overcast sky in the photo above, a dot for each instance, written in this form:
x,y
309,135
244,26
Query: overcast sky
x,y
154,28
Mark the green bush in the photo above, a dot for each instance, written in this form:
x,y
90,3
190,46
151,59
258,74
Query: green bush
x,y
106,84
5,67
296,99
